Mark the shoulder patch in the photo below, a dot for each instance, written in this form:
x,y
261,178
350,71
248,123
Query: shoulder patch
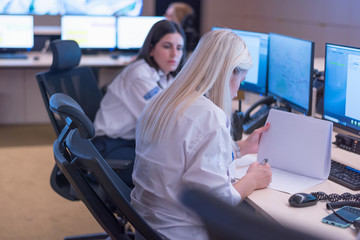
x,y
151,93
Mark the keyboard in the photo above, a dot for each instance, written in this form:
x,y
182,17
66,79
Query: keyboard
x,y
345,175
13,56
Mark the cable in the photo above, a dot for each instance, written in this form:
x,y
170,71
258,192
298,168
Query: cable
x,y
339,216
335,205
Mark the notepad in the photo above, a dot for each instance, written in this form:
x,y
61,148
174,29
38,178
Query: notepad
x,y
298,149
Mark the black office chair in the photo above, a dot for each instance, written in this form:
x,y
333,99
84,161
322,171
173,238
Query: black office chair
x,y
105,195
224,222
67,77
79,82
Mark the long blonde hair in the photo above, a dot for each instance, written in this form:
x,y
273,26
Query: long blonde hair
x,y
208,71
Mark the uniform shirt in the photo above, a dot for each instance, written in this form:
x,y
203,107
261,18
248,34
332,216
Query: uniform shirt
x,y
126,97
197,153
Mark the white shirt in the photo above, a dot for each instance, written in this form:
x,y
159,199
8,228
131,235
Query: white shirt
x,y
196,153
125,99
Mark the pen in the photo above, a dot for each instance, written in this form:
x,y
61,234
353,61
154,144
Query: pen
x,y
264,161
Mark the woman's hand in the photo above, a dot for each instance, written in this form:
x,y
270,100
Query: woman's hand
x,y
258,176
251,143
261,174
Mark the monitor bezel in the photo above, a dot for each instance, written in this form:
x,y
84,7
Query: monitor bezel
x,y
337,127
280,99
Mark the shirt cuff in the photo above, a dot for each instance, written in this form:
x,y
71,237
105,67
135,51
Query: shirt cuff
x,y
237,151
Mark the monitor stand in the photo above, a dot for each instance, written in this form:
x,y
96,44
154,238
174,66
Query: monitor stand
x,y
125,53
282,108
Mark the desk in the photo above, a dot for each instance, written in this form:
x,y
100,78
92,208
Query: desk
x,y
274,205
38,60
20,98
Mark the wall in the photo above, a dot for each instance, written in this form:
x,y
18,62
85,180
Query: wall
x,y
317,20
148,7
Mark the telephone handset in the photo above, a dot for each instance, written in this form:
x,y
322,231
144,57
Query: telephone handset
x,y
255,120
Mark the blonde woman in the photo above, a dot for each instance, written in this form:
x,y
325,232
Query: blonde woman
x,y
178,11
183,139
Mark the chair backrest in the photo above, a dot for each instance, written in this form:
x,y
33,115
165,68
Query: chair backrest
x,y
105,195
65,76
223,221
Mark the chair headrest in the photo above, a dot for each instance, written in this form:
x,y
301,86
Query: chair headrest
x,y
66,54
67,107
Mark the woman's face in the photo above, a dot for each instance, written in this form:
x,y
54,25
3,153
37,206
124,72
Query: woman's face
x,y
167,53
236,78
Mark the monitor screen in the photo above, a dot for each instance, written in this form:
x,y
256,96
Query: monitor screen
x,y
257,44
90,32
132,31
16,32
342,87
290,74
72,7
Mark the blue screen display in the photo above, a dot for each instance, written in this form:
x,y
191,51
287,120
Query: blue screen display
x,y
342,87
290,71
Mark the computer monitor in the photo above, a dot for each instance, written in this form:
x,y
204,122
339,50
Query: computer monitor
x,y
102,7
90,32
72,7
16,32
257,43
132,31
342,88
290,74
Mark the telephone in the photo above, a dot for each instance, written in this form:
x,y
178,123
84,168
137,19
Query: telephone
x,y
252,121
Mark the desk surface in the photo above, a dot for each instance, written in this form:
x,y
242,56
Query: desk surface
x,y
274,204
38,60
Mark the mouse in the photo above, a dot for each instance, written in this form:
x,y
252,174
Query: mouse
x,y
302,200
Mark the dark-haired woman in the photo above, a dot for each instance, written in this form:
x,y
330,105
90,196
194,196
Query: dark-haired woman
x,y
160,59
